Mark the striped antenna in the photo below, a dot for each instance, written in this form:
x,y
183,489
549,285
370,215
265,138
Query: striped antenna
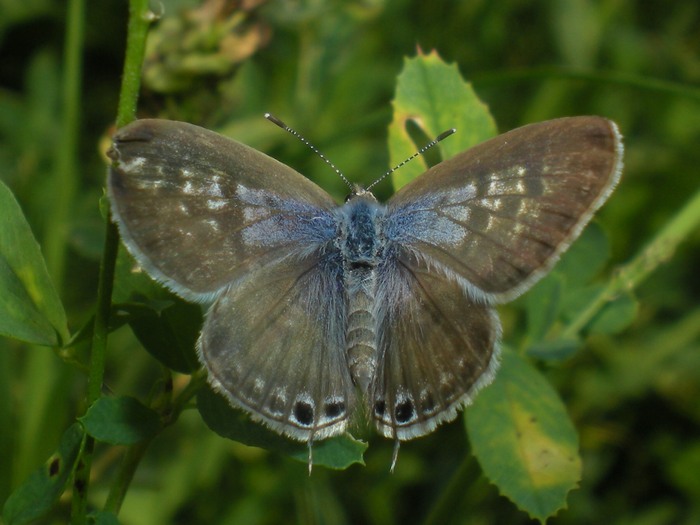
x,y
425,148
313,148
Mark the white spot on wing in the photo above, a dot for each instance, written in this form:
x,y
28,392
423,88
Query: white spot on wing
x,y
148,184
258,386
214,224
213,190
491,204
216,204
497,187
458,213
252,214
134,164
459,195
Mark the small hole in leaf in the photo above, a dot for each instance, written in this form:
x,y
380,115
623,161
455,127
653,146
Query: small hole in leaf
x,y
420,139
54,467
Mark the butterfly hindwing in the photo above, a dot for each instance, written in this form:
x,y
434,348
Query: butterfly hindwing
x,y
274,345
437,347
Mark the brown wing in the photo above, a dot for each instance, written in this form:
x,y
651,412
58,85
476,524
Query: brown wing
x,y
437,348
198,210
499,215
274,346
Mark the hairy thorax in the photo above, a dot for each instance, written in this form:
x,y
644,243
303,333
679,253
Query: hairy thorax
x,y
361,244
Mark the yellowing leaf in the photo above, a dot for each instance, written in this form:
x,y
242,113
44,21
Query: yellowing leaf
x,y
524,440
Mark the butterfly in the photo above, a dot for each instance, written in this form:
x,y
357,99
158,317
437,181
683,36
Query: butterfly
x,y
320,312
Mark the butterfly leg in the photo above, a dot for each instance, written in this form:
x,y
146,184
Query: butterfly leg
x,y
395,454
311,455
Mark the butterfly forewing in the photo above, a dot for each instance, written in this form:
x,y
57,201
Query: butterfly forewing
x,y
497,216
198,210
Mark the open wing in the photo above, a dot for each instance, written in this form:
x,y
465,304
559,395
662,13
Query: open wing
x,y
498,216
198,210
274,346
476,229
437,348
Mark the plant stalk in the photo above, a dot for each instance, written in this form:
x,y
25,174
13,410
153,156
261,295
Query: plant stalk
x,y
139,21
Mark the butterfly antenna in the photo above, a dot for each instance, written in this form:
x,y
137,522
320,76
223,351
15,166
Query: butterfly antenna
x,y
425,148
313,148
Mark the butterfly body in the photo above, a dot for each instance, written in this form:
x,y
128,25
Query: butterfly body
x,y
319,310
361,244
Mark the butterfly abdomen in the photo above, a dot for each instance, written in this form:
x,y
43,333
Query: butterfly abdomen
x,y
361,350
361,245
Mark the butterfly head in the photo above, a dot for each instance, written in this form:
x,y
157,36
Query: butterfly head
x,y
359,191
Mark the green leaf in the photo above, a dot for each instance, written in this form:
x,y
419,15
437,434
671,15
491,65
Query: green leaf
x,y
682,469
555,350
524,440
103,518
585,258
30,309
120,315
543,304
576,301
166,325
131,281
613,317
39,493
336,453
120,421
170,334
616,315
433,95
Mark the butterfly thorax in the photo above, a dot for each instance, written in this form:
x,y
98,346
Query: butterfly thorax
x,y
361,243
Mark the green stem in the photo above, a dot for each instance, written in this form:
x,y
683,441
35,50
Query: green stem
x,y
139,20
126,472
170,412
42,376
443,509
66,174
628,277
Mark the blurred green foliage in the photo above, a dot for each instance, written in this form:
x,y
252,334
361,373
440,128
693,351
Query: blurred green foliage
x,y
328,68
